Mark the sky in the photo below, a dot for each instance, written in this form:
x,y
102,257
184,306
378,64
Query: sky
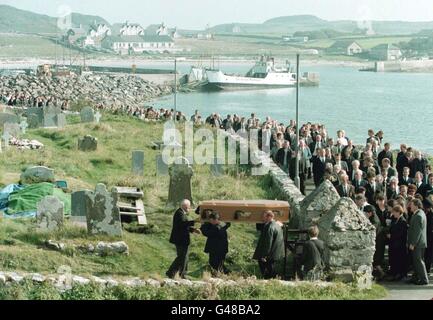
x,y
196,14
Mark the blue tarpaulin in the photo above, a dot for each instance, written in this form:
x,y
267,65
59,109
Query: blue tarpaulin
x,y
5,192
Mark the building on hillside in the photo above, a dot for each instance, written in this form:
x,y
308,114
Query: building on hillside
x,y
130,44
162,30
293,39
130,29
97,33
236,29
385,52
345,47
175,34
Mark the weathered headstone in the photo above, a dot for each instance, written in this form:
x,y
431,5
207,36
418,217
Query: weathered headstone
x,y
33,121
35,117
61,120
161,166
103,215
37,174
138,162
317,204
180,184
88,143
98,117
50,117
12,128
23,126
50,213
87,115
6,137
349,238
217,168
8,118
78,206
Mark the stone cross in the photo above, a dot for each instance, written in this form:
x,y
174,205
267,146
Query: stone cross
x,y
24,125
98,117
6,137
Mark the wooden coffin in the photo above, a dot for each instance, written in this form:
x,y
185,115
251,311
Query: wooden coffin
x,y
250,211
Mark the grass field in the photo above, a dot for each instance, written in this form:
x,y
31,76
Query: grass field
x,y
22,249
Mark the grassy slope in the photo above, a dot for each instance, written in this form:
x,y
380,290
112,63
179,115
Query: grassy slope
x,y
111,164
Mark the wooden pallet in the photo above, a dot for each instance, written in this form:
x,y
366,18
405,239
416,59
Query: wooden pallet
x,y
130,203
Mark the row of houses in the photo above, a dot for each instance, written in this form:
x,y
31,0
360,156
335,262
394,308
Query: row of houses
x,y
125,38
382,52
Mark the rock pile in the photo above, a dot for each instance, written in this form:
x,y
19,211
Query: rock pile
x,y
100,89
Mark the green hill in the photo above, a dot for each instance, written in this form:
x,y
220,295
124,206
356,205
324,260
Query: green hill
x,y
17,20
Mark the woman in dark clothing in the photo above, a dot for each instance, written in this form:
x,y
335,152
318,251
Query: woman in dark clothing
x,y
398,245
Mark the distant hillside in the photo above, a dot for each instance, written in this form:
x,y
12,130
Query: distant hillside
x,y
291,24
16,20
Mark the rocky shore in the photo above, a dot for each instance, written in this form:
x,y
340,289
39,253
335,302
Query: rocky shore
x,y
99,89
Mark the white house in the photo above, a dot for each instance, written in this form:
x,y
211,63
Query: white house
x,y
131,29
128,44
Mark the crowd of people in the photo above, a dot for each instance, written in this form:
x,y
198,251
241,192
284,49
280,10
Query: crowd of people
x,y
394,191
22,99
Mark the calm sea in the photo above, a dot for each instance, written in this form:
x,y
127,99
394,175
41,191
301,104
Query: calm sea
x,y
400,104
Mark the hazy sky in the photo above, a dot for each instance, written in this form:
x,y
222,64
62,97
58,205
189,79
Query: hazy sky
x,y
198,13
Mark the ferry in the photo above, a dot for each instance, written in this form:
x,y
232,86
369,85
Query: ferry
x,y
265,74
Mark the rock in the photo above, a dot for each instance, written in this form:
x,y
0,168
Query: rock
x,y
37,174
317,204
153,283
80,280
56,246
88,143
98,280
136,282
104,248
14,277
349,237
2,278
36,277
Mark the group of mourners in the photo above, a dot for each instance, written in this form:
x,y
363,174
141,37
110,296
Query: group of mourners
x,y
21,99
395,191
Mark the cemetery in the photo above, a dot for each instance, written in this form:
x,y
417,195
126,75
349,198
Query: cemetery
x,y
80,205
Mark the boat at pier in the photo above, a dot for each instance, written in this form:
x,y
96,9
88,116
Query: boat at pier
x,y
265,74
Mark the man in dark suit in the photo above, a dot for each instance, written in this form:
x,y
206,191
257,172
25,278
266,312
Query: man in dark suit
x,y
284,156
345,189
343,164
313,256
386,153
180,237
379,254
386,165
402,160
405,179
417,241
319,166
316,145
270,247
429,215
217,245
358,182
427,189
372,188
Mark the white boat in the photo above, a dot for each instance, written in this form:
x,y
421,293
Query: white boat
x,y
263,75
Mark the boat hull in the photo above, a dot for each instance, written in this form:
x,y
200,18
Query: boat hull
x,y
219,86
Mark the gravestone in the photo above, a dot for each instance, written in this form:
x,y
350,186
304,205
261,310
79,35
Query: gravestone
x,y
13,129
217,168
8,118
161,166
317,204
23,126
37,174
180,184
61,120
35,117
50,117
88,143
33,121
49,214
138,162
87,115
103,216
78,206
98,117
349,240
6,137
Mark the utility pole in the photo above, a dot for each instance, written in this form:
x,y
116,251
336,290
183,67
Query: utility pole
x,y
175,89
297,179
